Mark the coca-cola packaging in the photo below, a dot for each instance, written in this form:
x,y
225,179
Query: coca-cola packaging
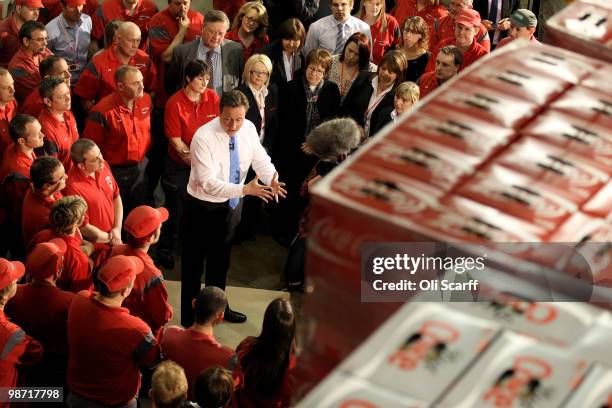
x,y
587,104
600,205
595,343
421,350
570,175
341,390
595,391
454,130
519,196
599,80
516,371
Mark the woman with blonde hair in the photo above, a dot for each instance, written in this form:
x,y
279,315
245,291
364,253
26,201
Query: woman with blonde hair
x,y
414,46
249,28
384,28
407,94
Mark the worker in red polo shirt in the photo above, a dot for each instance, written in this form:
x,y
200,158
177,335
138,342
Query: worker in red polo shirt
x,y
41,309
25,10
135,11
52,66
8,107
467,23
67,215
107,344
17,347
448,61
98,78
523,24
195,348
121,125
48,180
57,121
24,64
91,178
444,27
15,177
149,299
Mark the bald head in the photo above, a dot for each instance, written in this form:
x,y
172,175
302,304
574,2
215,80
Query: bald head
x,y
128,37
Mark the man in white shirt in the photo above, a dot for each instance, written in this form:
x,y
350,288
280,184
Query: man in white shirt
x,y
331,32
221,153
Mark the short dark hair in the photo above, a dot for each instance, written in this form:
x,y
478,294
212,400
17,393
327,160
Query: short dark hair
x,y
216,16
455,52
196,68
122,71
395,62
233,99
363,45
17,128
41,171
109,32
213,387
210,301
28,28
79,148
46,66
48,85
290,29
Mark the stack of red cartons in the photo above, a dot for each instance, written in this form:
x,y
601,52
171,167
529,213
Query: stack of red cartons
x,y
516,149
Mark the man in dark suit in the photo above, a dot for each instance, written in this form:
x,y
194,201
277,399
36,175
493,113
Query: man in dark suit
x,y
223,56
494,15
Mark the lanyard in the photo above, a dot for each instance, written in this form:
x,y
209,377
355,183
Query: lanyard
x,y
368,111
74,45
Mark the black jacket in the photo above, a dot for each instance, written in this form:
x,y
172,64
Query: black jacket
x,y
274,51
270,113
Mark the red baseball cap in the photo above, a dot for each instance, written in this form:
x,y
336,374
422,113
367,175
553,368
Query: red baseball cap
x,y
468,17
144,220
119,271
46,258
30,3
9,272
75,3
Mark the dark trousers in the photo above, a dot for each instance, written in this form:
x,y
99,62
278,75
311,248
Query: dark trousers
x,y
132,182
158,151
174,182
207,230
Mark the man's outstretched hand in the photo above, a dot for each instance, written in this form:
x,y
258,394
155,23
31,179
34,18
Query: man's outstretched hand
x,y
277,187
262,191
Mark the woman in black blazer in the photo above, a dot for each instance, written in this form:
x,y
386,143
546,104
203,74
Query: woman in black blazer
x,y
305,102
285,52
360,103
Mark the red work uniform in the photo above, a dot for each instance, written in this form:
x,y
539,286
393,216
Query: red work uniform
x,y
42,311
428,83
509,39
6,115
59,136
113,10
24,70
107,346
9,40
445,28
16,348
36,210
229,7
409,8
195,352
33,104
163,27
183,117
98,78
148,299
470,56
255,45
384,40
123,135
15,180
99,192
76,270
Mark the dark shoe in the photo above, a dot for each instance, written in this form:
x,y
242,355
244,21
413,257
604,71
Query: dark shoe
x,y
165,261
234,317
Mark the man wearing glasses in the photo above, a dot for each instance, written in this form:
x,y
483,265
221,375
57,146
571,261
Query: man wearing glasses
x,y
24,64
223,56
25,10
331,32
221,153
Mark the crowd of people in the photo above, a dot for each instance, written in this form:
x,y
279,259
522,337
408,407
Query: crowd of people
x,y
249,104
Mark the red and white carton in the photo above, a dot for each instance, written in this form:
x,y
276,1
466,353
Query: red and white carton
x,y
422,160
516,371
486,104
595,390
560,323
570,176
588,104
421,350
600,205
534,87
595,343
518,195
587,140
600,80
341,390
454,130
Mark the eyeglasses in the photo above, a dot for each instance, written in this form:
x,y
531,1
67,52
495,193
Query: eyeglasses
x,y
259,73
314,70
252,19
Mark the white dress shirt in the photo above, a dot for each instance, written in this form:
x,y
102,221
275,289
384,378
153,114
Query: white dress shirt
x,y
322,33
210,161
